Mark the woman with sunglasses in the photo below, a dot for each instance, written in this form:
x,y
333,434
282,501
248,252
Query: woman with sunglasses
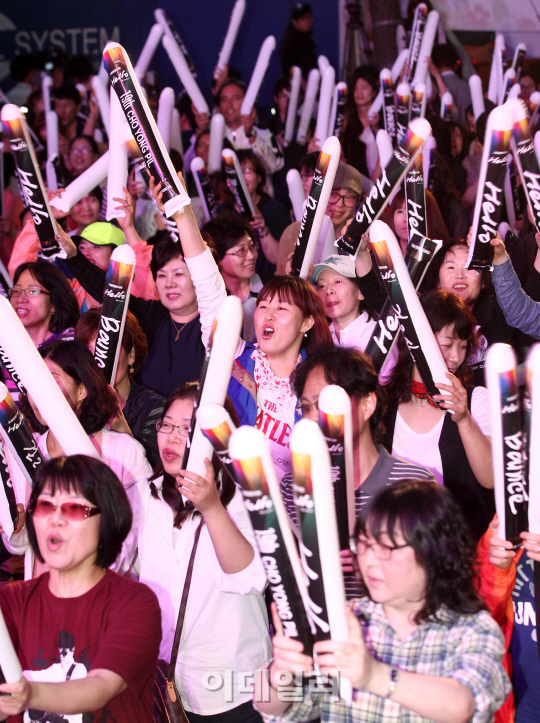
x,y
421,644
87,638
95,404
225,631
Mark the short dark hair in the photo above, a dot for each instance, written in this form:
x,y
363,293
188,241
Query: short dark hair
x,y
133,337
76,360
431,279
163,252
79,68
231,81
246,154
64,301
309,162
431,522
444,55
68,92
96,482
225,231
281,84
93,145
169,490
350,369
21,65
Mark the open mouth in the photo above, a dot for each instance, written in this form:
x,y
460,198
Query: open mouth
x,y
53,542
169,455
460,287
268,332
21,311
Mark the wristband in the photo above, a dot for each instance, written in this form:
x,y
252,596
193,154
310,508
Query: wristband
x,y
393,674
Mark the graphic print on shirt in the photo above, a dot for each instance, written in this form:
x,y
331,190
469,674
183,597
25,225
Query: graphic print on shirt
x,y
523,594
61,669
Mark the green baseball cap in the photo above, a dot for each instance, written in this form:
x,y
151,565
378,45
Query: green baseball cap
x,y
102,233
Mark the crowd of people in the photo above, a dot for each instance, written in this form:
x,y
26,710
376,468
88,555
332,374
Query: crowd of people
x,y
119,561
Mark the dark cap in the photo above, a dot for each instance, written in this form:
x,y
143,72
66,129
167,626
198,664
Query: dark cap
x,y
300,10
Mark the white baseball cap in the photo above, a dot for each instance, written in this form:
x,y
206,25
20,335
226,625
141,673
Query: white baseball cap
x,y
344,265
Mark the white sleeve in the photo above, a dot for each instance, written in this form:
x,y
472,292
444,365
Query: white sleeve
x,y
209,288
252,579
262,147
189,153
480,410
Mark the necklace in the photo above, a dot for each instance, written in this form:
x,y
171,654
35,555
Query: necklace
x,y
420,403
178,330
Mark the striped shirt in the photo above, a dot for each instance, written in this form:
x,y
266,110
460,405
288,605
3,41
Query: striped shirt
x,y
465,648
387,471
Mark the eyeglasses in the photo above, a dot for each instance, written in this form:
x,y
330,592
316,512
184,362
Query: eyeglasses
x,y
349,200
31,292
382,552
243,252
305,176
73,511
303,409
248,171
85,151
167,428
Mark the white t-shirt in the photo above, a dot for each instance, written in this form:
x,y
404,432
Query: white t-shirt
x,y
275,411
423,449
225,629
357,334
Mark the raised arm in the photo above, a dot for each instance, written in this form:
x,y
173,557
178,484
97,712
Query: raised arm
x,y
519,309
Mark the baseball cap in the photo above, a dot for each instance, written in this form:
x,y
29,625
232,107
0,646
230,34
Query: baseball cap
x,y
301,9
102,233
344,265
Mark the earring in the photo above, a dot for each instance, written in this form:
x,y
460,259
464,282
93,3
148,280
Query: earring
x,y
131,369
305,334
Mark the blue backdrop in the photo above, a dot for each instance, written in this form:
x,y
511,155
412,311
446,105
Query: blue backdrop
x,y
84,27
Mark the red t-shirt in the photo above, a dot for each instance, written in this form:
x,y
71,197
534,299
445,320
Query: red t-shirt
x,y
114,626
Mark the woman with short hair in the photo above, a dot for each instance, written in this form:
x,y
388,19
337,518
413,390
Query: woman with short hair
x,y
87,638
421,644
96,406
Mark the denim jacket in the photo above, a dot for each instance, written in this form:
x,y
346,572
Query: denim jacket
x,y
519,309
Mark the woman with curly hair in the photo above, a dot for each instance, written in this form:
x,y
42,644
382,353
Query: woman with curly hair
x,y
421,644
448,271
95,405
455,445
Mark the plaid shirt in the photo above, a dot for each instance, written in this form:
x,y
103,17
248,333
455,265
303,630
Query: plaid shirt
x,y
466,648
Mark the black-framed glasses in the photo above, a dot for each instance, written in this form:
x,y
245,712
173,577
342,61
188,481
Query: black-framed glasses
x,y
243,252
167,428
74,511
381,551
349,199
32,292
303,409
